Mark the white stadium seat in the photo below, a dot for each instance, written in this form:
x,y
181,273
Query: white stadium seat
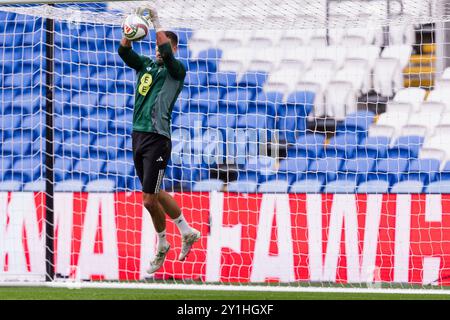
x,y
204,39
370,53
208,185
274,187
357,72
387,76
340,99
100,185
440,95
389,124
414,96
400,52
10,185
34,186
337,54
72,185
422,123
407,187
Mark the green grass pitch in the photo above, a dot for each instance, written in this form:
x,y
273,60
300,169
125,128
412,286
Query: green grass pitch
x,y
45,293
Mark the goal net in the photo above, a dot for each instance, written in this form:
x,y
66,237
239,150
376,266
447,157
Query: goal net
x,y
310,144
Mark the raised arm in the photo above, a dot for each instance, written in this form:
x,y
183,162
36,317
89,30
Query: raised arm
x,y
174,66
129,56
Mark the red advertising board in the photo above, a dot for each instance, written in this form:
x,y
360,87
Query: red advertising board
x,y
343,238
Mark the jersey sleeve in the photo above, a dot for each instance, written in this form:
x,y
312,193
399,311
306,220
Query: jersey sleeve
x,y
174,66
131,58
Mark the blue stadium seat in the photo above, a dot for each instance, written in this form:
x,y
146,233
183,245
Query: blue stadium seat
x,y
122,124
356,169
309,145
224,81
242,186
94,124
236,101
262,166
342,146
253,80
307,186
289,128
438,187
256,121
208,58
6,165
100,185
341,186
204,102
300,101
62,168
106,146
358,122
26,103
189,121
445,172
406,147
34,186
10,185
70,185
274,186
294,167
26,169
266,102
423,170
16,146
408,186
195,79
89,169
33,37
76,146
122,166
373,186
373,147
116,102
64,124
325,169
221,120
208,185
389,170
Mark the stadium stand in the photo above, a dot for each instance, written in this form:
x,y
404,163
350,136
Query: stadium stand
x,y
231,84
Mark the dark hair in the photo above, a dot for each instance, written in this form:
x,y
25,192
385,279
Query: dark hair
x,y
173,37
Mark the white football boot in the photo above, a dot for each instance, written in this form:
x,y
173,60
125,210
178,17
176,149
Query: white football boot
x,y
158,261
188,240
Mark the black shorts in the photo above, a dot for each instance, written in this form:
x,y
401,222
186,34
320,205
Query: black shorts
x,y
151,153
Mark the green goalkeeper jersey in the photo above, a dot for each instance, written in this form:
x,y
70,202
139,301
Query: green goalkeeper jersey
x,y
158,87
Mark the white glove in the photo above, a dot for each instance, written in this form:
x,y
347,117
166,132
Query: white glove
x,y
152,17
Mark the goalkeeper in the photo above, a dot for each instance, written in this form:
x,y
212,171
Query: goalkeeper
x,y
158,86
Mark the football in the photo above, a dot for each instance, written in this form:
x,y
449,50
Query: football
x,y
135,27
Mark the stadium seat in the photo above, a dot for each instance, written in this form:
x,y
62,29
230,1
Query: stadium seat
x,y
373,147
204,102
441,95
387,76
423,170
358,122
373,186
325,169
88,169
256,121
62,167
34,186
438,187
101,185
307,186
422,123
341,186
408,186
295,167
414,96
236,101
242,186
308,145
10,185
268,102
406,147
210,57
342,146
356,169
389,170
208,185
26,169
221,120
274,186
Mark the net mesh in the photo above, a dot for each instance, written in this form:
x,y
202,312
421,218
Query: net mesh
x,y
309,143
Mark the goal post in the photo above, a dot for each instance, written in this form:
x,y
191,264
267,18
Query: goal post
x,y
309,146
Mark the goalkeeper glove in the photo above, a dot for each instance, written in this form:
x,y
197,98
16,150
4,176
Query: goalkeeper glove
x,y
152,17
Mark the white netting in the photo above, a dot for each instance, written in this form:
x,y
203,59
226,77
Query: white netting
x,y
299,122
